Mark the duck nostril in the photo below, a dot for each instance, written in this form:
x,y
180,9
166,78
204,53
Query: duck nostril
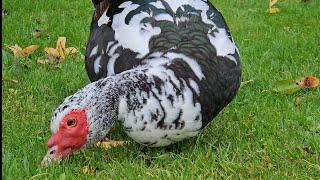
x,y
51,152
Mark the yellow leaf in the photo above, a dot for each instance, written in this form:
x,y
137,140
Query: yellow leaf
x,y
19,52
61,46
30,49
107,143
71,50
52,52
60,52
273,10
61,42
272,2
16,50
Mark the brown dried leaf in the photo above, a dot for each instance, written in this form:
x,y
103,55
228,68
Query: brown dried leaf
x,y
48,59
30,49
71,50
60,52
16,50
308,82
19,52
52,52
61,46
271,9
107,143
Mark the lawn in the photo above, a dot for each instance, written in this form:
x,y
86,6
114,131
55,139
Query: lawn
x,y
261,134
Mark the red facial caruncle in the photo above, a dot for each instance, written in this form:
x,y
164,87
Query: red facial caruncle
x,y
71,136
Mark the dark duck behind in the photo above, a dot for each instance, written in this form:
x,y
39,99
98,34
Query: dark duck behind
x,y
163,68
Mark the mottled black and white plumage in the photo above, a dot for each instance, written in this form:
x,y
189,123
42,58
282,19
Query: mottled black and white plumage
x,y
164,68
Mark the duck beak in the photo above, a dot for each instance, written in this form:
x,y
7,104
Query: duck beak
x,y
50,157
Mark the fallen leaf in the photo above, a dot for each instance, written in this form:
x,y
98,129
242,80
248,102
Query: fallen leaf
x,y
271,9
60,52
108,143
36,33
308,82
51,52
16,50
61,46
49,60
30,49
19,52
71,50
290,86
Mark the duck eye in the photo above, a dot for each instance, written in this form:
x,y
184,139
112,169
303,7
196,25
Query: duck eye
x,y
71,122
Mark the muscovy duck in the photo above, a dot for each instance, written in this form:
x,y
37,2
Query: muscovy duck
x,y
163,68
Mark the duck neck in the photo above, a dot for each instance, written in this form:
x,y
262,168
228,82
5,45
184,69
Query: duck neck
x,y
103,107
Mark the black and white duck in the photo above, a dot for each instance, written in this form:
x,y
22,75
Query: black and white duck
x,y
163,68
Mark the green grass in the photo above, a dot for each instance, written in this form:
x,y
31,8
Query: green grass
x,y
259,135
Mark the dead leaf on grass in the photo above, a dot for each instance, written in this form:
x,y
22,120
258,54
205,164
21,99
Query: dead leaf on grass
x,y
60,52
308,82
271,9
290,86
19,52
49,60
108,143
